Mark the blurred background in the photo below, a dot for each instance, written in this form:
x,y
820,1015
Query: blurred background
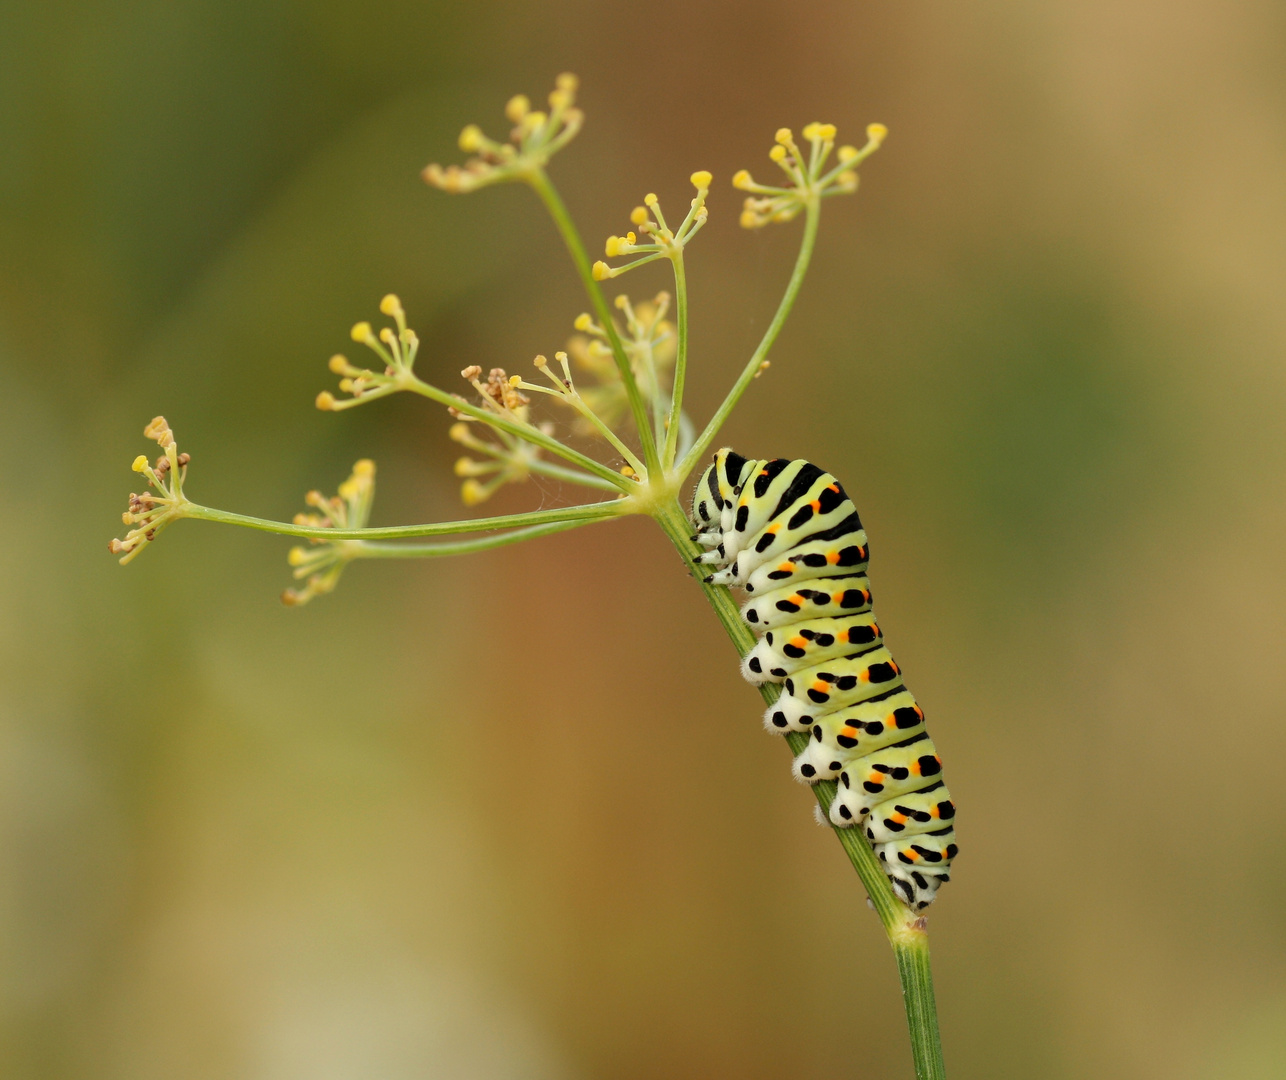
x,y
513,816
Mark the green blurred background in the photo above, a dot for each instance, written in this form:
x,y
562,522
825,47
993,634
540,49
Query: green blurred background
x,y
513,816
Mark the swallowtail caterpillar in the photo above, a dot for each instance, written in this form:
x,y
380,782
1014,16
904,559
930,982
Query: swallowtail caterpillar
x,y
787,534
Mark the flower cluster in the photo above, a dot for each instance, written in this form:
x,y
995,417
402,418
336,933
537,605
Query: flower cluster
x,y
510,458
650,345
396,349
659,240
807,175
535,138
322,561
151,511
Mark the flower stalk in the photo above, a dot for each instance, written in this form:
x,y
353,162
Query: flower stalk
x,y
636,371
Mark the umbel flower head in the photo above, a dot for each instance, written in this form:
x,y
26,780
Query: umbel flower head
x,y
151,511
655,239
396,350
650,345
807,175
535,137
322,561
510,458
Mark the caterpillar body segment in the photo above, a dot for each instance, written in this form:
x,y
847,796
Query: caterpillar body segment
x,y
929,811
790,648
785,532
830,685
813,560
846,734
895,770
808,600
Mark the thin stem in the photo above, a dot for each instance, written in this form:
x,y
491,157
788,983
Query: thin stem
x,y
680,359
526,432
702,445
541,185
904,929
912,953
601,511
378,550
570,395
571,476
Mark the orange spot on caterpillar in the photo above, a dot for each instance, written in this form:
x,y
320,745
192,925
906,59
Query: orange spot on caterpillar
x,y
834,488
799,642
899,818
865,676
832,557
786,567
816,504
821,687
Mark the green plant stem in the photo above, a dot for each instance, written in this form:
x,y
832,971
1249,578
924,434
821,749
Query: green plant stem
x,y
541,185
680,358
904,929
366,549
912,953
601,511
526,432
571,476
702,445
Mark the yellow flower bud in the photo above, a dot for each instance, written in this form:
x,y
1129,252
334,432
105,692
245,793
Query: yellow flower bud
x,y
517,107
296,556
360,332
650,199
701,179
602,271
876,133
365,467
583,323
471,139
390,305
613,247
472,492
741,180
325,401
777,153
846,153
338,364
638,215
140,463
784,137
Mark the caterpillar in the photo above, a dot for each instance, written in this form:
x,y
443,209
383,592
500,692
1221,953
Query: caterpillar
x,y
787,534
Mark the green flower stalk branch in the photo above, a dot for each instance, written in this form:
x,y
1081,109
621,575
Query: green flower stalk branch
x,y
632,441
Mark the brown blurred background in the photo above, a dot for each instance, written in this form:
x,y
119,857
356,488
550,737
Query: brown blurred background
x,y
513,816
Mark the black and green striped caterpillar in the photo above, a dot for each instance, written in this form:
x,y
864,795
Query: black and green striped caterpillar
x,y
786,533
